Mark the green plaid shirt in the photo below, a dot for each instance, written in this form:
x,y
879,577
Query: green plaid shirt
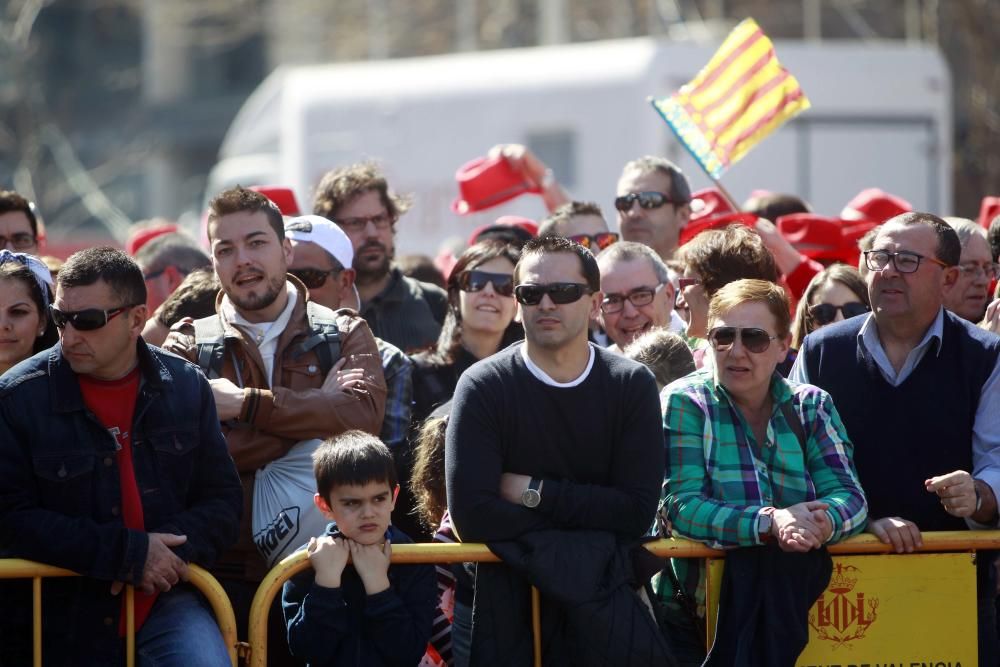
x,y
719,478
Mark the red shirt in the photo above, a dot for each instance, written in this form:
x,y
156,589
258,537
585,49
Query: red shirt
x,y
113,403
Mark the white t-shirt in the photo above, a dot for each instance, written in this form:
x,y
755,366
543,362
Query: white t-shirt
x,y
264,334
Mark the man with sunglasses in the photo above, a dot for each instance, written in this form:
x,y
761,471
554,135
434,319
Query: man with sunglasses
x,y
554,442
653,203
112,465
581,222
405,312
638,293
165,262
919,392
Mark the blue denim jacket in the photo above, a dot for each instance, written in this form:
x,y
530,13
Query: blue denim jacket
x,y
60,500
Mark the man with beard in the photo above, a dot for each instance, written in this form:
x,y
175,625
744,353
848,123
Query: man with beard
x,y
403,311
271,391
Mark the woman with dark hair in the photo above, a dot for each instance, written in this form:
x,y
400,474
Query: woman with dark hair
x,y
480,321
834,294
25,294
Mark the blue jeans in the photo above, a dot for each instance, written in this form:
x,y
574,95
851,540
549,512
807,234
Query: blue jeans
x,y
180,631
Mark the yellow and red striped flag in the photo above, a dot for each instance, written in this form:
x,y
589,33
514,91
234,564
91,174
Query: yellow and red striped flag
x,y
740,97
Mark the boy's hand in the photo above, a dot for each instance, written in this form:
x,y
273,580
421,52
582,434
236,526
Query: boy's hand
x,y
328,556
372,563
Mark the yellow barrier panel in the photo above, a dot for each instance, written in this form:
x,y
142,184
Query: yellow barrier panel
x,y
18,568
940,542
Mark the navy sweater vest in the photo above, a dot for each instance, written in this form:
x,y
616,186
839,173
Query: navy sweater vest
x,y
906,434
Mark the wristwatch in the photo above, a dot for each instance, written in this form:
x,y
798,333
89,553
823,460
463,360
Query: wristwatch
x,y
532,495
765,523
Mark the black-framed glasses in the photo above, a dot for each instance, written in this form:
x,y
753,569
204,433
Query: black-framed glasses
x,y
313,278
904,261
85,320
974,269
824,313
19,241
638,297
560,293
755,340
476,281
598,241
382,221
647,200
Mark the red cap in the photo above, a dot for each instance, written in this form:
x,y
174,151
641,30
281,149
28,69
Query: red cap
x,y
708,203
487,182
282,197
851,233
815,236
147,234
524,229
876,206
989,209
695,227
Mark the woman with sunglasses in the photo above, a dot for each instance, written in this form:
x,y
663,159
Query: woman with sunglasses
x,y
480,321
753,459
25,294
834,294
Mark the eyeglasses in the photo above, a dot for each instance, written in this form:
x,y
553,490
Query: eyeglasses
x,y
755,340
382,221
19,241
313,278
640,296
971,269
85,320
824,313
647,200
591,241
684,283
476,281
560,293
904,261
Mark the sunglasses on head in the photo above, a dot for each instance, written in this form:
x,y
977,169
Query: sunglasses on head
x,y
85,320
824,313
647,200
476,281
598,241
560,293
753,339
313,278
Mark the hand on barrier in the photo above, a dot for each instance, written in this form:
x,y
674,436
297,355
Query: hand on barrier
x,y
328,556
372,563
992,320
903,535
228,398
163,568
802,526
957,492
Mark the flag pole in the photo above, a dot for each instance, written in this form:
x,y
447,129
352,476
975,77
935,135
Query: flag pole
x,y
724,191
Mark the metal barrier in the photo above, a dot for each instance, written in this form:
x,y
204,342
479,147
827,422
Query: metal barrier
x,y
16,568
479,553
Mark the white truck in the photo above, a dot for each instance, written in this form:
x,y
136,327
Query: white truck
x,y
880,116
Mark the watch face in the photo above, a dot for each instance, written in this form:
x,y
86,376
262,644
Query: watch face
x,y
531,498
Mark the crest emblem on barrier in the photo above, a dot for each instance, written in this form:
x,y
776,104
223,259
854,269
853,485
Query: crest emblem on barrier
x,y
843,614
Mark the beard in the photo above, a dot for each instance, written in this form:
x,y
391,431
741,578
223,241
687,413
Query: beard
x,y
255,301
372,270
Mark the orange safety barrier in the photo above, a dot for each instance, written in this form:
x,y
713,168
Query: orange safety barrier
x,y
16,568
950,541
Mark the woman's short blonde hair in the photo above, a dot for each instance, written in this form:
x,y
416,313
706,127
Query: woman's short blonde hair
x,y
748,290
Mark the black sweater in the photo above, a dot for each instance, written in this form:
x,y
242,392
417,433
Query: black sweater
x,y
598,446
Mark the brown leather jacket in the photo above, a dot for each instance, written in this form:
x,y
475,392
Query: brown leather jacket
x,y
297,407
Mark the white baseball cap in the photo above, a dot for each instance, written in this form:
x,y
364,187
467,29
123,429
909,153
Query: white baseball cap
x,y
327,235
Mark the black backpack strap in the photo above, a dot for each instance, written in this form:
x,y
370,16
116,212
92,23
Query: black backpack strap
x,y
210,339
324,338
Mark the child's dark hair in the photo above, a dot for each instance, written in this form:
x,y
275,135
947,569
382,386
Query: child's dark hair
x,y
427,480
352,458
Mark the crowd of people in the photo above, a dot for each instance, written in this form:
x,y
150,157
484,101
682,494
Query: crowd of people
x,y
764,380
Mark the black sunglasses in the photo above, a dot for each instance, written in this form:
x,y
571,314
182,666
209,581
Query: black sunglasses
x,y
85,320
313,278
754,339
560,293
476,281
598,241
646,200
824,313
